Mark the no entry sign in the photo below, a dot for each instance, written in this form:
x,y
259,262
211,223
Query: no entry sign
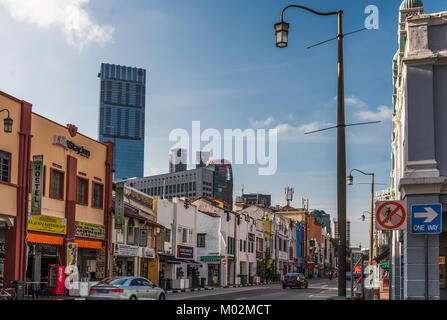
x,y
391,215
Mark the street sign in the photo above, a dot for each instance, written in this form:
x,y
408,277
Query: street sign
x,y
391,215
426,219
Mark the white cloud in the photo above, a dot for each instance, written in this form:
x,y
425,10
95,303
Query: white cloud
x,y
66,15
353,101
261,124
382,113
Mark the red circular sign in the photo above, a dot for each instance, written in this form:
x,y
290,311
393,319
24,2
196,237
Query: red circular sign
x,y
399,208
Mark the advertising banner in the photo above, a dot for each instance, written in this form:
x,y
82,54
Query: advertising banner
x,y
37,185
119,205
72,254
89,230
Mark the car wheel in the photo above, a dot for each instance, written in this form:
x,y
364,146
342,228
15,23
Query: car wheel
x,y
133,298
162,297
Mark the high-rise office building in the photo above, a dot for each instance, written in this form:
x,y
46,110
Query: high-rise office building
x,y
336,234
121,116
178,159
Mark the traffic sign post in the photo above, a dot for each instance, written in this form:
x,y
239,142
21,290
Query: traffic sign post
x,y
391,215
426,219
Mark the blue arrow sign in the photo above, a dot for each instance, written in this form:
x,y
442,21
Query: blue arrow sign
x,y
426,219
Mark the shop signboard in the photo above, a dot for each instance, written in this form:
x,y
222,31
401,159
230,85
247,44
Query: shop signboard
x,y
119,205
283,255
125,250
47,224
210,259
89,230
185,252
148,253
37,185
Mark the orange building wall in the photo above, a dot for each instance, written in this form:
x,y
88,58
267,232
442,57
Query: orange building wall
x,y
315,230
43,131
9,142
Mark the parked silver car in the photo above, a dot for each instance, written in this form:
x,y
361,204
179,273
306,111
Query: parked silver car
x,y
127,288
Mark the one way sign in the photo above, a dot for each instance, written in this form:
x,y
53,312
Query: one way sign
x,y
426,219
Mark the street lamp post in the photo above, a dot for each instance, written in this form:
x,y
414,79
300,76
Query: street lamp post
x,y
282,29
7,122
371,240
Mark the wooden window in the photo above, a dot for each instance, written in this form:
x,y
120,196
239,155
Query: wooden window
x,y
57,184
82,192
97,195
201,240
5,166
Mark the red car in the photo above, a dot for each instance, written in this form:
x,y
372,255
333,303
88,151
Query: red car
x,y
297,280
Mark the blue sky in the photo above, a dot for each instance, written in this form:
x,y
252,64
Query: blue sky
x,y
216,61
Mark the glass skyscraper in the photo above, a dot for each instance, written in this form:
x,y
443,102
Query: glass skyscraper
x,y
121,116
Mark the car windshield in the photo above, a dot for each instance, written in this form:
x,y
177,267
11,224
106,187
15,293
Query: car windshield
x,y
113,281
292,275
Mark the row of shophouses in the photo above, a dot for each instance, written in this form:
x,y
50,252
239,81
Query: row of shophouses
x,y
204,241
57,209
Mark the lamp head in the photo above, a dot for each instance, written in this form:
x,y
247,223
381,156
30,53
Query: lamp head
x,y
350,180
8,124
282,32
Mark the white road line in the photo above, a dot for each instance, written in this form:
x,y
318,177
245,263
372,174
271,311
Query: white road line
x,y
241,298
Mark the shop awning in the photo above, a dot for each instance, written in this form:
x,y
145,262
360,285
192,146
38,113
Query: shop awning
x,y
169,259
192,262
383,255
91,244
43,238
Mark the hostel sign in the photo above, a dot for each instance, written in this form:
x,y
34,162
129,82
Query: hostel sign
x,y
67,144
37,185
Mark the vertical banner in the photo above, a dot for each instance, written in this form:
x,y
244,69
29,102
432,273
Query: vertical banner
x,y
37,185
72,254
119,205
155,206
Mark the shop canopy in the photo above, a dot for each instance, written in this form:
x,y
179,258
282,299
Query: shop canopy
x,y
383,255
192,262
45,239
169,259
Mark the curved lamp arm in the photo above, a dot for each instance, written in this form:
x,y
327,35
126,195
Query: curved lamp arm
x,y
5,110
310,10
365,173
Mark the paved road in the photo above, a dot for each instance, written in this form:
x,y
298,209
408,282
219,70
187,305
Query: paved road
x,y
317,290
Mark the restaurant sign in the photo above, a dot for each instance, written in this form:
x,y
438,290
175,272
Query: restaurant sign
x,y
125,250
89,230
37,185
47,224
185,252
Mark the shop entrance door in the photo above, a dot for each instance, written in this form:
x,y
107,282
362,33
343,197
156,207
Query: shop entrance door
x,y
213,274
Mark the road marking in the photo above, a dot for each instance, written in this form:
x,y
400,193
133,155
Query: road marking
x,y
241,298
214,294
